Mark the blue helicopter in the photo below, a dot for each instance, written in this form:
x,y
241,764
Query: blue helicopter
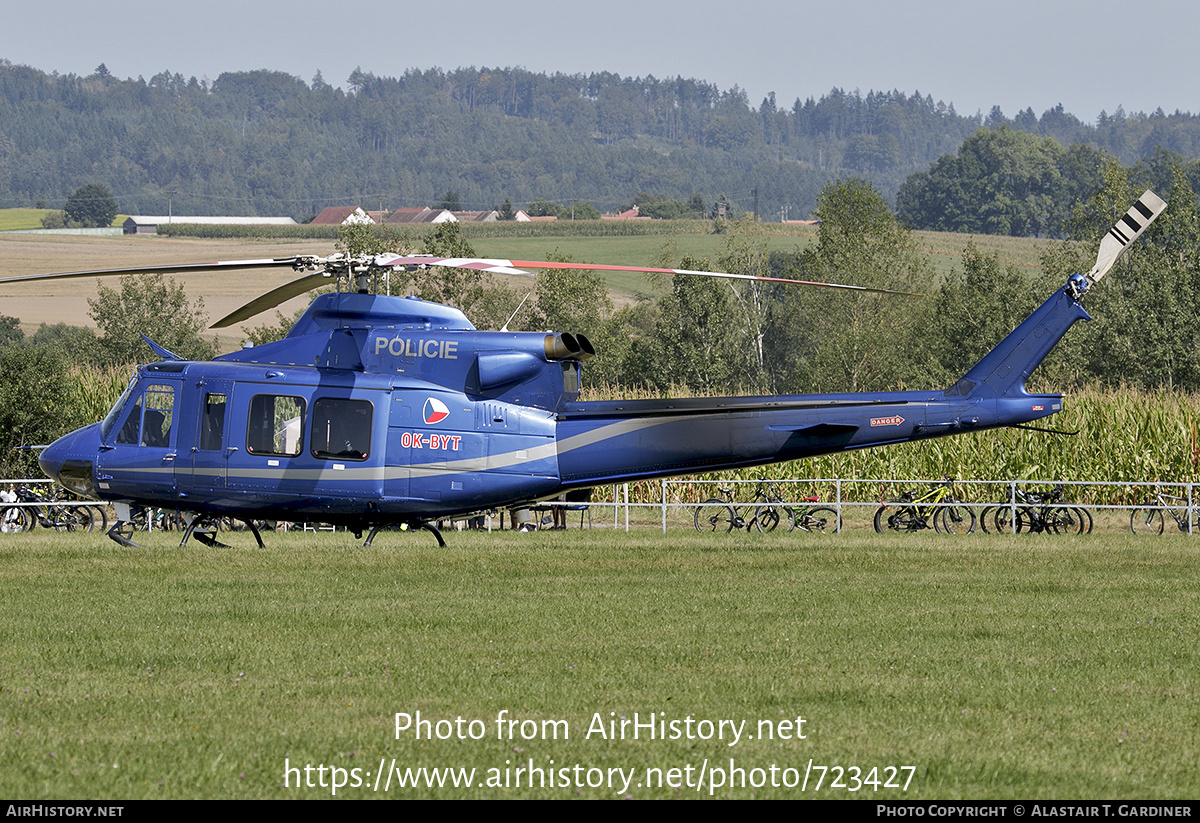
x,y
379,411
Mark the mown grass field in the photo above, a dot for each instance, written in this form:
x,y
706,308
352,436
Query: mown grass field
x,y
15,219
995,667
21,219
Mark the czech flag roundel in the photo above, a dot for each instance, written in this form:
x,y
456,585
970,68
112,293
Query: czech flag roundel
x,y
434,411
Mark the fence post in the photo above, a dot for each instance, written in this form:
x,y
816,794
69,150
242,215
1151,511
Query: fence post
x,y
1191,504
837,497
1012,506
664,506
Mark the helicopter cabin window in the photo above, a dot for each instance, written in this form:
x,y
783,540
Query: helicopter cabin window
x,y
152,415
341,429
276,425
212,421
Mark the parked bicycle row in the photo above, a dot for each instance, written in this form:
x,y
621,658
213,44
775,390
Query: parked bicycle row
x,y
26,507
940,508
767,513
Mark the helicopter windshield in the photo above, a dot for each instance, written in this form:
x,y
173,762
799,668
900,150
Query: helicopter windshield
x,y
107,423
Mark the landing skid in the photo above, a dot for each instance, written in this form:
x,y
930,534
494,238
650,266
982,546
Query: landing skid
x,y
121,532
205,529
429,527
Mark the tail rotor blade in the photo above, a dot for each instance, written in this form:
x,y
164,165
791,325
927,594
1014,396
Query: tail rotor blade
x,y
1129,228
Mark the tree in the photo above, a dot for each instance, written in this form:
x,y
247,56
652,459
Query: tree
x,y
1145,309
974,309
1001,181
153,306
450,201
10,330
91,206
745,252
34,402
829,340
80,341
543,208
698,334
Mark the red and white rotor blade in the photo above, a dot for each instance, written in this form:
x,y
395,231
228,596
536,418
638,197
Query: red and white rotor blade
x,y
1129,228
472,263
521,267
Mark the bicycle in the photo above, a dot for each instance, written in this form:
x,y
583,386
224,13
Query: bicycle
x,y
13,519
719,513
1149,519
936,508
821,519
45,513
1039,513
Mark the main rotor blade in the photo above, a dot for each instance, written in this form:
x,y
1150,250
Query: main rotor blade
x,y
182,268
473,263
1129,228
519,266
273,298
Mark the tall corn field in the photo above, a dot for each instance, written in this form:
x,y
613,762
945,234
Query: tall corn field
x,y
93,391
1124,434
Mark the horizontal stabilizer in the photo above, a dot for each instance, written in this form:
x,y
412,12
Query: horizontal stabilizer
x,y
817,430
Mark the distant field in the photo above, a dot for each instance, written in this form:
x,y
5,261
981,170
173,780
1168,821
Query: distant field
x,y
993,667
66,301
14,219
20,219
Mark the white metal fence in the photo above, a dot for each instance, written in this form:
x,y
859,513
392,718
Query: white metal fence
x,y
667,504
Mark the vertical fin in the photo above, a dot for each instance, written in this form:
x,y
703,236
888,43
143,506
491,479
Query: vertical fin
x,y
1004,370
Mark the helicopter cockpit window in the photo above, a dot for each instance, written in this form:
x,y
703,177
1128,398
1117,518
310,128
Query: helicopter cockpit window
x,y
341,429
151,418
276,425
128,435
111,418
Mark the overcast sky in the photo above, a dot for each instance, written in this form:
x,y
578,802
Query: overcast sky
x,y
1089,56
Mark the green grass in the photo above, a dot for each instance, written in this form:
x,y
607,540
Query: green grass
x,y
14,219
160,672
944,250
20,219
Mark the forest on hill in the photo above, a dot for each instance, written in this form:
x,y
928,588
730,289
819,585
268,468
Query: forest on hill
x,y
268,143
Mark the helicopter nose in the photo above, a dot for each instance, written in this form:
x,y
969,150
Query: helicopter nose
x,y
70,460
